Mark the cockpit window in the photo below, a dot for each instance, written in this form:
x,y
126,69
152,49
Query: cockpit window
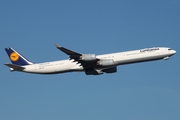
x,y
169,49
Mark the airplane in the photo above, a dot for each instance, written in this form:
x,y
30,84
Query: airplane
x,y
91,64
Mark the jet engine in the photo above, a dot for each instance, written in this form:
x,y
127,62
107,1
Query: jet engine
x,y
106,62
94,72
88,57
110,70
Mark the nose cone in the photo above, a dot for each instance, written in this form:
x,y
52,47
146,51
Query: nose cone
x,y
173,52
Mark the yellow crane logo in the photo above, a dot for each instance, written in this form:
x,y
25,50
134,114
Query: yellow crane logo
x,y
14,56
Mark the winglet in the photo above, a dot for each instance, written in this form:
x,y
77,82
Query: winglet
x,y
57,45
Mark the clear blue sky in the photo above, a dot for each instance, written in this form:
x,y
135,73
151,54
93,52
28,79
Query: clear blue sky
x,y
144,91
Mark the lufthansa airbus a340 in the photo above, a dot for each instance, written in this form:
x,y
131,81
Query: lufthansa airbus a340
x,y
91,64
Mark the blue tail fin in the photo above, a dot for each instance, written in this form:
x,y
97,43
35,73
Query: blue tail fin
x,y
17,58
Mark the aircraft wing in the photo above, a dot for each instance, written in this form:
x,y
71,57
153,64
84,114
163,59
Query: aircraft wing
x,y
72,54
90,61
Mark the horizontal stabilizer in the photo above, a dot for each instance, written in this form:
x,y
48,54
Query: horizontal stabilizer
x,y
15,67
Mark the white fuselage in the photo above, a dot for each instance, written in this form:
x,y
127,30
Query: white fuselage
x,y
120,58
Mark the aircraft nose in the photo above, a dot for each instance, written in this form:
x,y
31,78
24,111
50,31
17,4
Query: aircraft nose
x,y
173,52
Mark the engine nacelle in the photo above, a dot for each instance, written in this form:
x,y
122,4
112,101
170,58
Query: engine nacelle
x,y
110,70
88,57
106,62
94,72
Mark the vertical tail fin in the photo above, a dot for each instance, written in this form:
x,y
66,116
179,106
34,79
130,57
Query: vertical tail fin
x,y
17,58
